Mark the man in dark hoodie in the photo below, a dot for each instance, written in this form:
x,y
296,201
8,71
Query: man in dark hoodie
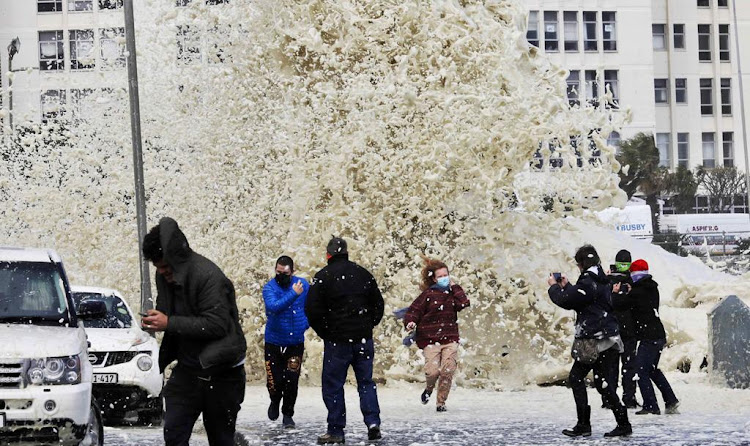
x,y
597,332
196,309
623,305
343,306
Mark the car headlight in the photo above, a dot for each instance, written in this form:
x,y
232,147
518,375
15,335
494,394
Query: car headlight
x,y
54,370
145,363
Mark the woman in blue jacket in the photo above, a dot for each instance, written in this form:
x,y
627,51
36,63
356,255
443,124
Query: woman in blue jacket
x,y
597,343
284,297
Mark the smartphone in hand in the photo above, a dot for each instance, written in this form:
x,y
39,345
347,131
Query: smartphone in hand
x,y
143,314
557,276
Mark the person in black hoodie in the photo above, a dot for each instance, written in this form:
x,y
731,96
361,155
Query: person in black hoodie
x,y
622,304
652,339
196,308
597,344
343,306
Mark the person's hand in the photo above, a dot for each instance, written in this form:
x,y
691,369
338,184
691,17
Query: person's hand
x,y
564,281
616,288
155,321
551,280
411,326
452,282
298,288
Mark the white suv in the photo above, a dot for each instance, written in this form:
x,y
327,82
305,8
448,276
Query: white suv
x,y
127,382
45,375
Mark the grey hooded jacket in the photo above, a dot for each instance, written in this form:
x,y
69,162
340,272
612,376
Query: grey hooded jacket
x,y
209,299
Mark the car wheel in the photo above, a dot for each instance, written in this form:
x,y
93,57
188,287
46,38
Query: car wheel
x,y
95,431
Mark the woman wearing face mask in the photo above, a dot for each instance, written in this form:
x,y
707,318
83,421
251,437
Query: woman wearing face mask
x,y
434,314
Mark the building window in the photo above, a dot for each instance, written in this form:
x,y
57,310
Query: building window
x,y
661,91
188,45
609,31
550,31
614,140
726,96
589,31
659,36
704,43
574,87
707,96
611,84
53,104
704,3
722,3
709,152
82,55
49,6
724,43
678,36
80,5
683,150
727,139
532,32
112,45
78,103
680,91
592,88
110,4
662,143
570,30
51,51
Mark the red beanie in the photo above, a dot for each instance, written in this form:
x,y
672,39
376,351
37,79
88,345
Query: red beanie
x,y
638,265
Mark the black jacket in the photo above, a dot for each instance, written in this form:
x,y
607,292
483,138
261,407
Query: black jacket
x,y
344,302
590,297
645,298
212,321
623,305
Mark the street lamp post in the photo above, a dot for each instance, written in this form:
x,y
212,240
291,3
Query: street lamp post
x,y
135,127
13,49
742,107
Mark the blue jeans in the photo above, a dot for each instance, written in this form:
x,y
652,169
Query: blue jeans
x,y
337,357
647,362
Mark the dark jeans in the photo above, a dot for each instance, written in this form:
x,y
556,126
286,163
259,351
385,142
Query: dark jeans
x,y
218,398
283,366
602,372
337,357
647,361
627,357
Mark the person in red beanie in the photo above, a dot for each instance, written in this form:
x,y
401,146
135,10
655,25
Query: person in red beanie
x,y
652,339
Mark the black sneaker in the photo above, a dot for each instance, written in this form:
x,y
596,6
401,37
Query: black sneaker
x,y
645,411
273,411
329,438
373,433
631,405
288,422
620,431
671,409
425,397
441,408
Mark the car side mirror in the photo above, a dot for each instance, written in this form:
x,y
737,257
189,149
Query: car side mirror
x,y
92,309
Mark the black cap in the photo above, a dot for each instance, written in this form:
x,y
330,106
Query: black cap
x,y
623,256
336,246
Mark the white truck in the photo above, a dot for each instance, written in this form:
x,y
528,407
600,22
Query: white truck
x,y
45,374
633,220
712,233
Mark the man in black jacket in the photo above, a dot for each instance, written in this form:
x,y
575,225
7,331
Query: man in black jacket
x,y
343,306
196,309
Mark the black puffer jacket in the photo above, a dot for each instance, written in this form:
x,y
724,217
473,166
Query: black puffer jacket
x,y
623,304
344,302
591,300
645,298
213,320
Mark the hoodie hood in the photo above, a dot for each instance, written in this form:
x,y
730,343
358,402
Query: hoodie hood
x,y
175,246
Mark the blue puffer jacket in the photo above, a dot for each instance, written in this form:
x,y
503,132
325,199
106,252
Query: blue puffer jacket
x,y
285,313
591,299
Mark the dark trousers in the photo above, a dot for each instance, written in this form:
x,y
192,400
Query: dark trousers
x,y
627,358
602,372
647,361
218,398
283,366
337,357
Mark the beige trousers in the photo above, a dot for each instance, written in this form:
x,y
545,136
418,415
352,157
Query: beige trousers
x,y
440,362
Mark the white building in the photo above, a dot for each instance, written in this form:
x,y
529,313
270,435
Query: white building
x,y
69,49
674,63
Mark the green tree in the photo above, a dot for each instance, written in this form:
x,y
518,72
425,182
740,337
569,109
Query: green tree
x,y
682,186
641,172
721,184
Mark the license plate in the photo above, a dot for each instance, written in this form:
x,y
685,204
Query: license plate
x,y
2,419
105,378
